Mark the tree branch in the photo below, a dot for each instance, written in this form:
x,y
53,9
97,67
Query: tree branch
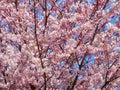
x,y
37,42
95,32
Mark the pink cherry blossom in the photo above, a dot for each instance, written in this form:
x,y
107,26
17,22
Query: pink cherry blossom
x,y
59,45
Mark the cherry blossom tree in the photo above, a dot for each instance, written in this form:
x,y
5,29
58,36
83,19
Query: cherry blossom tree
x,y
59,44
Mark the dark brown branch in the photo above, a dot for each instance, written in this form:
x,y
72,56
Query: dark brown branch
x,y
105,4
46,81
16,4
74,83
71,87
37,42
95,32
46,15
112,64
82,62
80,39
54,2
3,73
36,36
32,87
106,76
112,78
95,9
108,69
29,2
61,48
81,1
45,12
107,82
